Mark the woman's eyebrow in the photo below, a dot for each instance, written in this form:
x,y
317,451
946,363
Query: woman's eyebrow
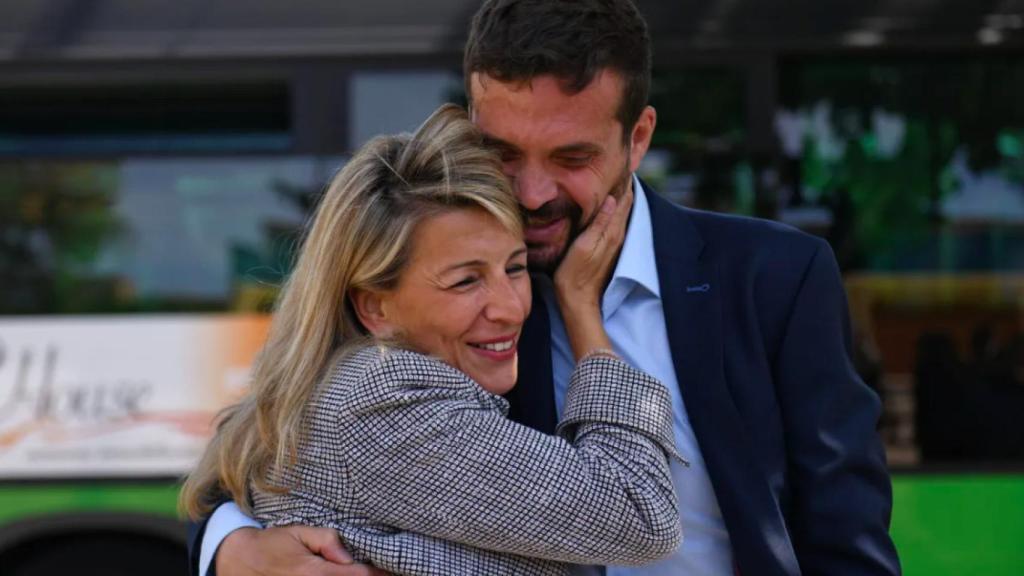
x,y
466,264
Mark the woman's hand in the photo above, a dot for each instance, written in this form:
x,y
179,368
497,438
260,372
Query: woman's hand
x,y
580,278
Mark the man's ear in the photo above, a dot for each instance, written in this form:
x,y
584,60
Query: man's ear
x,y
640,137
370,308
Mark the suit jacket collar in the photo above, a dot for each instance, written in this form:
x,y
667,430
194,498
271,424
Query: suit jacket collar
x,y
692,299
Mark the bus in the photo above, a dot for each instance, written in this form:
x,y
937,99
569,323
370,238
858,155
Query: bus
x,y
150,207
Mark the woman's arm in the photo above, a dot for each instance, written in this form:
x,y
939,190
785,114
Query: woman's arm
x,y
427,454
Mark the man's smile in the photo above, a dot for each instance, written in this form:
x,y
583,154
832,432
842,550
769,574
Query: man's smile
x,y
543,233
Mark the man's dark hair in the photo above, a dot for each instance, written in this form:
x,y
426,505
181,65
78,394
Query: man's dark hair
x,y
573,40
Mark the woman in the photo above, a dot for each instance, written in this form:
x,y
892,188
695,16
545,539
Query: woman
x,y
375,405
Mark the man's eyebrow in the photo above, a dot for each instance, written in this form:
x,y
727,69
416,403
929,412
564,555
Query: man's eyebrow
x,y
571,148
579,148
492,142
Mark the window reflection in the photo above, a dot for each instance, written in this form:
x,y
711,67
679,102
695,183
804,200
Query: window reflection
x,y
152,234
912,168
697,156
388,102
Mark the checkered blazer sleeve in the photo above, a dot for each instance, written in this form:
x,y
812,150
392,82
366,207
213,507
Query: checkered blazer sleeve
x,y
431,452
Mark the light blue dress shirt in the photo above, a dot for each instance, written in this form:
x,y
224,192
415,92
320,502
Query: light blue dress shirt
x,y
635,321
227,518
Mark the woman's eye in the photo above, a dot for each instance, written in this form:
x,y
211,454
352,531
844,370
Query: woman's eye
x,y
515,269
465,282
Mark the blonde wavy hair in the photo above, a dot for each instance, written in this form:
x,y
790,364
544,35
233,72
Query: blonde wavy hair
x,y
359,238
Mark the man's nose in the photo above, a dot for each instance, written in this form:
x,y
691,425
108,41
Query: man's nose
x,y
534,187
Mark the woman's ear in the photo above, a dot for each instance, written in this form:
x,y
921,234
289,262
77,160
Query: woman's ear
x,y
370,308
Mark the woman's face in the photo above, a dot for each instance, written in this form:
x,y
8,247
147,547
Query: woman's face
x,y
464,296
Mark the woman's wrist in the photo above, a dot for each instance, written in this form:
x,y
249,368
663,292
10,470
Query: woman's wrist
x,y
586,333
600,353
577,301
578,304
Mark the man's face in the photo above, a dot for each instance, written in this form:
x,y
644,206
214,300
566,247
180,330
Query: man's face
x,y
564,153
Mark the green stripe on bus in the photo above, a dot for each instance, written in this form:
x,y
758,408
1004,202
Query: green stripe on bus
x,y
24,500
942,525
959,524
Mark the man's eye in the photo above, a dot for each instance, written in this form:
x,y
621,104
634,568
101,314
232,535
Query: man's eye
x,y
574,161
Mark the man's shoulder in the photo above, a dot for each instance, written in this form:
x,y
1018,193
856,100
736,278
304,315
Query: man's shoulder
x,y
739,228
743,240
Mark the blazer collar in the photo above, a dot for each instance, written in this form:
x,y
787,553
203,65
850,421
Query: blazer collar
x,y
676,238
693,300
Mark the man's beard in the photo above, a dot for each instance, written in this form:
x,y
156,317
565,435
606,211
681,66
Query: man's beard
x,y
563,207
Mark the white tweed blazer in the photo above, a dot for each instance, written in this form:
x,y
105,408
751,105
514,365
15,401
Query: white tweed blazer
x,y
421,473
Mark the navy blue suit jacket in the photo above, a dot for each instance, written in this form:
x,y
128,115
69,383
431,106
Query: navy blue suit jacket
x,y
786,427
760,338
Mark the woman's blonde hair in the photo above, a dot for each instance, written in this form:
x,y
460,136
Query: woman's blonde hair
x,y
359,238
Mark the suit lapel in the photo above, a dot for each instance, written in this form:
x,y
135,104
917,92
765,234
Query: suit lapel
x,y
692,301
532,401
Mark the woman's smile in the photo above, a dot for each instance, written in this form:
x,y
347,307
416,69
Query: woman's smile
x,y
464,296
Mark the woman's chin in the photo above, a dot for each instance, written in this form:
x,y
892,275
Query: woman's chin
x,y
498,384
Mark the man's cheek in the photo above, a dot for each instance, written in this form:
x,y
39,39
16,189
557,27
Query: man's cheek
x,y
582,218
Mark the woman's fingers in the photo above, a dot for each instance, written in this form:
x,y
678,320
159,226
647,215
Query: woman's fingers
x,y
603,219
592,254
581,277
621,216
590,240
609,226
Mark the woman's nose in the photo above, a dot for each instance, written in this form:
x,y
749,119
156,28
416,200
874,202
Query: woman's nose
x,y
506,305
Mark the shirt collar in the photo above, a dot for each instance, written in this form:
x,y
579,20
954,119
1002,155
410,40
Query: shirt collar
x,y
636,265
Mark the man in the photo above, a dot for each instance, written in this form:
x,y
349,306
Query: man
x,y
744,321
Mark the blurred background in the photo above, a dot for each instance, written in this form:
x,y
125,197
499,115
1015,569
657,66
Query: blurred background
x,y
158,159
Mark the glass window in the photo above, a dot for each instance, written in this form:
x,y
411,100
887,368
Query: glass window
x,y
397,101
913,168
151,234
132,119
696,156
